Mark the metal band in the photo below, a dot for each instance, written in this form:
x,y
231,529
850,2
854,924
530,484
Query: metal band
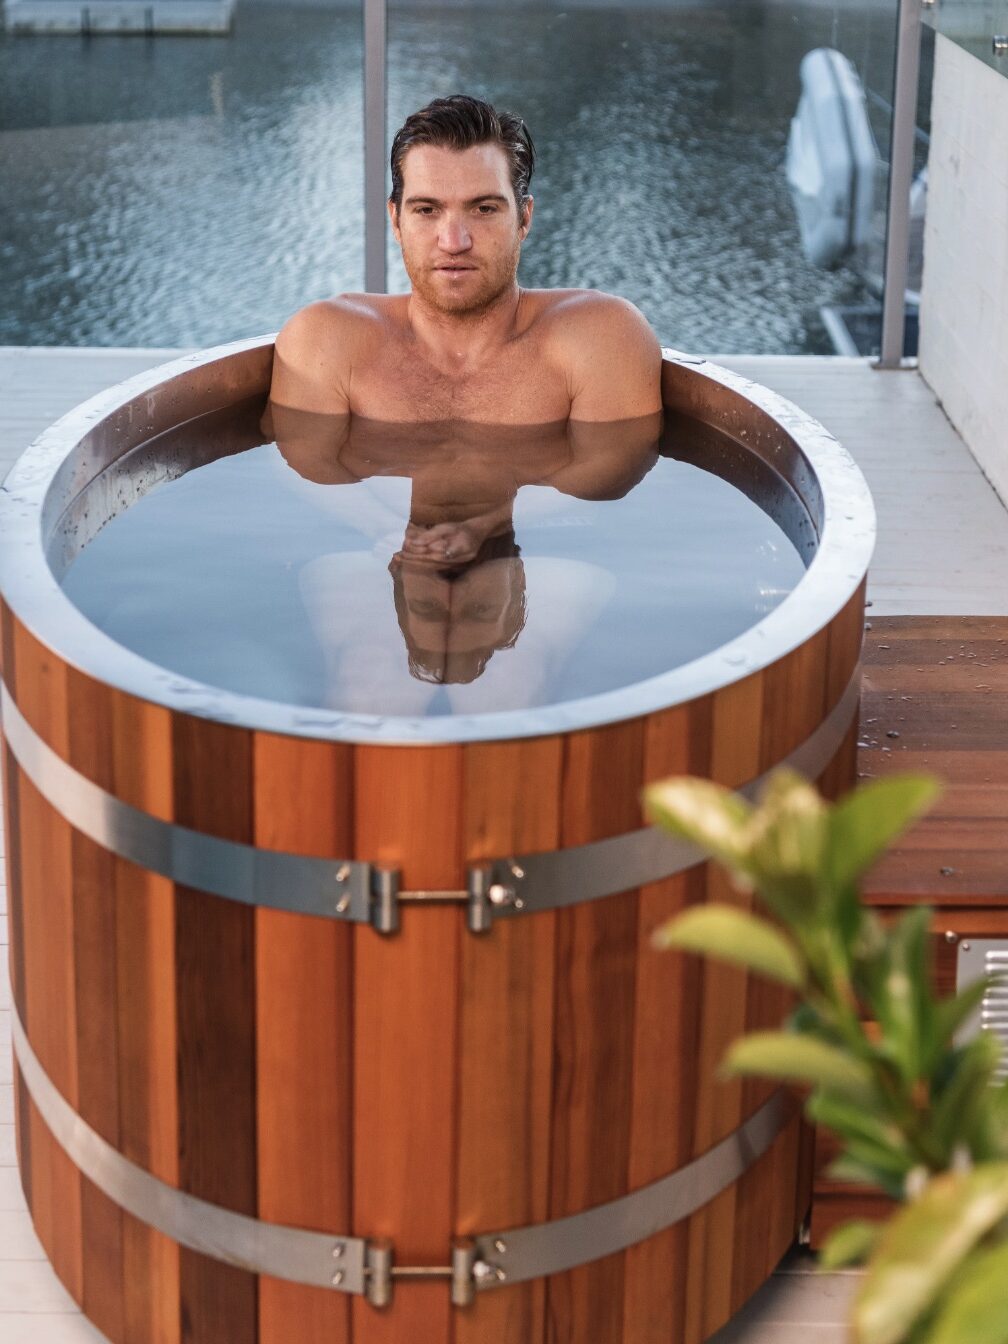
x,y
335,888
564,1243
357,892
318,1258
587,872
353,1265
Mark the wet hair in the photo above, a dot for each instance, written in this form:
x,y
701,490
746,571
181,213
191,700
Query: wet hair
x,y
460,122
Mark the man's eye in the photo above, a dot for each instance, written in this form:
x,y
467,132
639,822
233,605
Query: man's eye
x,y
487,209
424,210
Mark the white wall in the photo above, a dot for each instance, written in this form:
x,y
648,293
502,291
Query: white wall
x,y
964,299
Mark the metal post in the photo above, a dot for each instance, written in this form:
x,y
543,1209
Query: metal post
x,y
375,195
904,124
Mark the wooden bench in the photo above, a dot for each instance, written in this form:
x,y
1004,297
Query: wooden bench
x,y
935,698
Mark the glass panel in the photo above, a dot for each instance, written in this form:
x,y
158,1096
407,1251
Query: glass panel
x,y
981,26
172,190
662,135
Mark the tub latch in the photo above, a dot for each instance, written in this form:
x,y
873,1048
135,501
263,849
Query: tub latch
x,y
381,1273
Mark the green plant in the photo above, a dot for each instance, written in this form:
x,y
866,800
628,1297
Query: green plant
x,y
917,1111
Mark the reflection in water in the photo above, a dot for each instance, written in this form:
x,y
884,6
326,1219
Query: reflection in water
x,y
432,569
458,578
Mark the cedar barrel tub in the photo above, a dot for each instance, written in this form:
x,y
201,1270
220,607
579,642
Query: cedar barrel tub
x,y
335,1030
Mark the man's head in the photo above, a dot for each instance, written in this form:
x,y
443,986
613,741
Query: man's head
x,y
459,122
460,204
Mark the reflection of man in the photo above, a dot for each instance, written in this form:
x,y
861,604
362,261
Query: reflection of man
x,y
454,619
467,343
438,507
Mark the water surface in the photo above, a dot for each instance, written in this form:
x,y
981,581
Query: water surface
x,y
455,569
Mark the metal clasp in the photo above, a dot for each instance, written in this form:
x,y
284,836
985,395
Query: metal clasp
x,y
491,890
385,900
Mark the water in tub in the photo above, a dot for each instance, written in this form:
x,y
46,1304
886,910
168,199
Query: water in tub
x,y
441,568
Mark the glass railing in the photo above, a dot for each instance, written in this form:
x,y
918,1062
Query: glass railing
x,y
186,190
663,138
171,190
980,26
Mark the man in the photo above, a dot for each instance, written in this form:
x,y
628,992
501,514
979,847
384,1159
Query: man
x,y
467,344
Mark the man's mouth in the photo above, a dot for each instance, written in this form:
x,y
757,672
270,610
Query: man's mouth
x,y
454,270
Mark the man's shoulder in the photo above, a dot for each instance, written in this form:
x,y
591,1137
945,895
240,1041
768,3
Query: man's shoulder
x,y
588,320
336,319
607,351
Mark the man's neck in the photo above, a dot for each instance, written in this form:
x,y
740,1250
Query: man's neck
x,y
458,341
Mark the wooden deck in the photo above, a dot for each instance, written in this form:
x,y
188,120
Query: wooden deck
x,y
943,550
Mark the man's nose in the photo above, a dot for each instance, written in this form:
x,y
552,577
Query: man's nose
x,y
453,235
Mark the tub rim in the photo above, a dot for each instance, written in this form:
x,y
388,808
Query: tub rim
x,y
35,597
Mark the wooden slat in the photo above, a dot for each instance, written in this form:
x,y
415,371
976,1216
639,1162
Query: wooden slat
x,y
923,708
147,1025
407,807
90,739
215,996
721,1005
304,1031
511,804
48,930
596,960
666,1028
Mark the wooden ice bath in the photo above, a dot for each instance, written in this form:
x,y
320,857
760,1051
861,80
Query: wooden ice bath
x,y
331,1034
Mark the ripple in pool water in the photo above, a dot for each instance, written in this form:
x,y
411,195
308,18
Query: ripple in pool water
x,y
445,569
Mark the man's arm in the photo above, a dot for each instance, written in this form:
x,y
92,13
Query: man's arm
x,y
314,356
613,359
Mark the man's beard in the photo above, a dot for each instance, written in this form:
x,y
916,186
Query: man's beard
x,y
470,299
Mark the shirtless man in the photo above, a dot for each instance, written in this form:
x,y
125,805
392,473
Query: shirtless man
x,y
467,344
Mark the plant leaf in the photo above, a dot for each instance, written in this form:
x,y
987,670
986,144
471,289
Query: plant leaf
x,y
951,1013
863,823
903,1000
801,1059
734,935
850,1244
710,815
966,1090
788,829
923,1246
975,1308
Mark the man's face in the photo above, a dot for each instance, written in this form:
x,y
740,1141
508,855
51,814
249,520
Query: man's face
x,y
458,226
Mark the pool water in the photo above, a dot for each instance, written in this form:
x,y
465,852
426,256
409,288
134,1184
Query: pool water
x,y
458,569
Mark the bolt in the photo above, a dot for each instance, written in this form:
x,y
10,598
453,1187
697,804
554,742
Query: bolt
x,y
965,947
951,936
483,1273
338,1250
343,872
516,869
500,1246
519,903
337,1278
343,905
501,895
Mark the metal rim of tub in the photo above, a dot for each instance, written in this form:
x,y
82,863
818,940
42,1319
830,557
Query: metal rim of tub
x,y
78,448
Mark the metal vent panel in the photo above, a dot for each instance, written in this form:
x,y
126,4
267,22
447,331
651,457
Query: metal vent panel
x,y
986,956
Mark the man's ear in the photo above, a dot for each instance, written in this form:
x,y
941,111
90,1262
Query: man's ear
x,y
526,218
393,215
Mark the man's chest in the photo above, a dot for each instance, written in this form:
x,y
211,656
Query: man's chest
x,y
519,387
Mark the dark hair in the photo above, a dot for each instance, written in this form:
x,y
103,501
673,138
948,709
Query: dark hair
x,y
459,122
